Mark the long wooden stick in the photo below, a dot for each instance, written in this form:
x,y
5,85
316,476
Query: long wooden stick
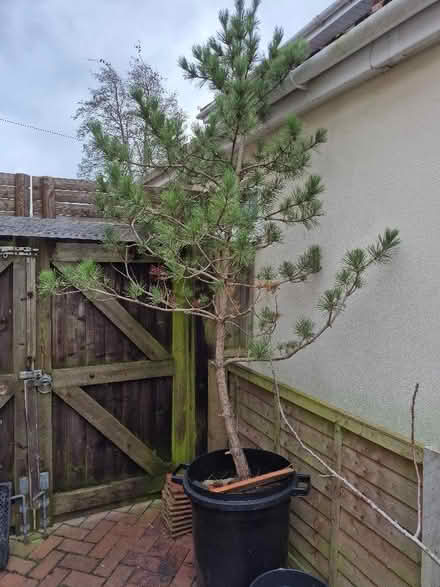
x,y
254,481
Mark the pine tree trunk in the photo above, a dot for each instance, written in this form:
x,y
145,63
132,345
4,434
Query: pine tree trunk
x,y
237,453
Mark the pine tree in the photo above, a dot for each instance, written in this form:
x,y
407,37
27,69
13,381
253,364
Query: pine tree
x,y
229,195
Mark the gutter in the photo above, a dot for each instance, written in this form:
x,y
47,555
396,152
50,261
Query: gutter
x,y
375,26
396,32
388,36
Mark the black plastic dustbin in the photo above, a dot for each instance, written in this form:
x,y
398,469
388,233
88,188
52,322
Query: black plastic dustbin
x,y
238,536
287,578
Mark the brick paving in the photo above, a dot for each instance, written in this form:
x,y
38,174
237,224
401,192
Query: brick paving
x,y
128,547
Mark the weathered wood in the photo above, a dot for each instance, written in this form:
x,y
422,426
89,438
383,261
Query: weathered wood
x,y
22,194
4,264
102,495
7,192
367,563
5,396
390,557
217,437
75,252
112,429
431,516
184,432
112,373
117,314
19,364
336,508
76,197
77,210
384,438
86,185
6,319
7,179
7,205
48,201
44,361
33,451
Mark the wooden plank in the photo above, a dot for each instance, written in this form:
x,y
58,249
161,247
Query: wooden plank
x,y
33,450
75,252
390,557
22,194
383,457
76,210
310,534
48,202
297,561
398,510
7,213
112,373
117,314
62,183
184,430
44,361
431,516
5,396
356,577
7,179
376,434
336,509
309,552
311,516
76,197
217,437
103,495
367,563
393,483
4,264
7,192
7,205
19,364
112,429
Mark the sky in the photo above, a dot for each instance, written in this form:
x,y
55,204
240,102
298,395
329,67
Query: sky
x,y
47,48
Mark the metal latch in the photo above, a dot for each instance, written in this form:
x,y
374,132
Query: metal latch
x,y
6,252
43,382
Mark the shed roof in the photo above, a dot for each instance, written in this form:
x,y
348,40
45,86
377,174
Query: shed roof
x,y
62,228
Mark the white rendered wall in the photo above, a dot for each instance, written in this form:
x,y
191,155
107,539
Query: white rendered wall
x,y
381,167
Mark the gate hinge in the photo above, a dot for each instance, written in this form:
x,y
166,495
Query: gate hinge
x,y
6,252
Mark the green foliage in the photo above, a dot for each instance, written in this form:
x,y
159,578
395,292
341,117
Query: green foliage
x,y
226,193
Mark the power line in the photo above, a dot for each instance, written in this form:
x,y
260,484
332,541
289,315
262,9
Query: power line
x,y
47,131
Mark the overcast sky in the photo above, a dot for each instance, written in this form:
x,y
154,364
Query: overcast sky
x,y
45,68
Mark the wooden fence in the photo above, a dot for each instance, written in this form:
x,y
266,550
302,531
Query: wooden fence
x,y
123,403
48,197
333,534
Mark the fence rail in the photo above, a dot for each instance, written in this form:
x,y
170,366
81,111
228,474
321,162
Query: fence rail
x,y
333,534
48,197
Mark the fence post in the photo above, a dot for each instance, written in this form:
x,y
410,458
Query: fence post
x,y
22,194
336,507
48,202
184,429
431,516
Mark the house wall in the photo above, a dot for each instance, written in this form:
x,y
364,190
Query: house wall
x,y
381,167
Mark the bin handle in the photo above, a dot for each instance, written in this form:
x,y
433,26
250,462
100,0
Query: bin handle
x,y
306,480
176,478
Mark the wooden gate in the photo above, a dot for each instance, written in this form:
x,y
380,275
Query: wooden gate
x,y
104,434
123,401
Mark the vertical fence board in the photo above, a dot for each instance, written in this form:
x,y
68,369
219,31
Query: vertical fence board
x,y
334,534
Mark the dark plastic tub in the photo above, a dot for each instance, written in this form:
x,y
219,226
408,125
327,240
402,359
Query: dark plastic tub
x,y
5,520
287,578
239,536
